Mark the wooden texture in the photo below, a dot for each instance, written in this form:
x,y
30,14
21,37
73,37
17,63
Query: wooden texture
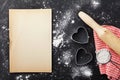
x,y
104,34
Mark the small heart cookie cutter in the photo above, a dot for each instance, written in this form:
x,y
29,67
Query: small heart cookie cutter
x,y
83,38
80,60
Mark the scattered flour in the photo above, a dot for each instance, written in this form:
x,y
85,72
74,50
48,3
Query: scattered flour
x,y
58,39
23,77
66,57
95,3
84,71
4,27
72,21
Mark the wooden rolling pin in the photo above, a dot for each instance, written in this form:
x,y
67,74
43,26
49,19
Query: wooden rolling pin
x,y
104,34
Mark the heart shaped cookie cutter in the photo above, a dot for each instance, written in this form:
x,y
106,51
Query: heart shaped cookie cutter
x,y
83,57
81,36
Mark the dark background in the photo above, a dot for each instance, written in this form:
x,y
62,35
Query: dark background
x,y
65,22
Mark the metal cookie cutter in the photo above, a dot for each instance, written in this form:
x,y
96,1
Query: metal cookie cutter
x,y
81,36
82,57
103,56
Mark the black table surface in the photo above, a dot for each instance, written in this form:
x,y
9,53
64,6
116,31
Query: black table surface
x,y
65,22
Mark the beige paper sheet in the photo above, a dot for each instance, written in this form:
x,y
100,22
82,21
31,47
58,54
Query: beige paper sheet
x,y
30,40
